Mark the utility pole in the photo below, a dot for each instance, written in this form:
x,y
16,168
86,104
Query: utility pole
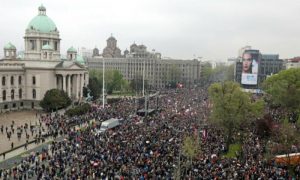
x,y
103,83
144,79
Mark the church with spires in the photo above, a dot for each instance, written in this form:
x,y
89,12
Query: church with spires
x,y
25,79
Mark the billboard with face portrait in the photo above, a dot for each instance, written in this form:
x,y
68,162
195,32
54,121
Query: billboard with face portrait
x,y
250,62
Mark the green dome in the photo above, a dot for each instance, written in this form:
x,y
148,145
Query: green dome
x,y
47,47
80,60
42,22
9,46
72,49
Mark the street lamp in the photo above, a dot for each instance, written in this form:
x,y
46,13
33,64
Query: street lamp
x,y
103,83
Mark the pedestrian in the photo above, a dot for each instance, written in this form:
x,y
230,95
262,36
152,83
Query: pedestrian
x,y
12,145
3,155
26,144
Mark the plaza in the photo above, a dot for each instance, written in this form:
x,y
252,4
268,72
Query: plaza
x,y
19,118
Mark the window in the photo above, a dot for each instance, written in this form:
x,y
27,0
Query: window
x,y
4,95
3,81
21,104
55,45
12,80
33,93
12,94
45,42
20,80
32,44
33,80
20,93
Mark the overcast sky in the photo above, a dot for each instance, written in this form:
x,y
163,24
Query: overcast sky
x,y
212,29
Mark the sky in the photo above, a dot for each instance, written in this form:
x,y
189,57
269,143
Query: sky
x,y
181,29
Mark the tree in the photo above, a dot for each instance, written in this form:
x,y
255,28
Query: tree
x,y
284,90
229,73
79,110
113,81
232,108
218,74
173,76
95,86
136,83
55,99
191,149
285,137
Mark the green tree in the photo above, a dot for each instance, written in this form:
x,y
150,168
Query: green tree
x,y
191,149
79,110
229,73
173,76
206,71
136,83
113,81
286,136
284,90
55,99
220,73
232,108
95,86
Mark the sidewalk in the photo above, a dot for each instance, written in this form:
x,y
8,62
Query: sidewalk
x,y
22,150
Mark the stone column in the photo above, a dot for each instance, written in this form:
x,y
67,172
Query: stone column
x,y
77,85
86,79
8,89
1,88
69,85
58,82
64,82
16,83
81,85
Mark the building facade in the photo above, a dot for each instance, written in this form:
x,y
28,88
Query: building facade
x,y
292,63
26,78
157,72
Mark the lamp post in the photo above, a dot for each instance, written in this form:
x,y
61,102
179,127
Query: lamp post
x,y
103,83
144,79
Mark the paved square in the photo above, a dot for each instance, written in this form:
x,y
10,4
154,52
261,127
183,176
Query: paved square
x,y
19,118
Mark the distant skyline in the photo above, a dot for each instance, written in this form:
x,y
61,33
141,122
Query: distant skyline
x,y
183,29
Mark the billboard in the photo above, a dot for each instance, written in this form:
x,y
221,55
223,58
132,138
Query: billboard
x,y
250,64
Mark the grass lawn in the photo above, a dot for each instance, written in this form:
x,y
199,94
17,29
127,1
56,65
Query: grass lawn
x,y
118,93
232,149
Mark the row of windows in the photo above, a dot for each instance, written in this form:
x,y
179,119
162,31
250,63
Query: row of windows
x,y
12,80
12,94
14,105
44,42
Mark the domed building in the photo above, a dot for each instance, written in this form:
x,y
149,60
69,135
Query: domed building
x,y
25,79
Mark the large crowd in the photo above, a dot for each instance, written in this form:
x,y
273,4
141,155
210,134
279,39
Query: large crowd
x,y
148,147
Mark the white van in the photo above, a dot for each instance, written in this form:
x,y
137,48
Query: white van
x,y
108,124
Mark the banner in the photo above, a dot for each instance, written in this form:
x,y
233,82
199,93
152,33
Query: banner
x,y
250,67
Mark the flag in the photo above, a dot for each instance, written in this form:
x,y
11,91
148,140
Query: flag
x,y
204,134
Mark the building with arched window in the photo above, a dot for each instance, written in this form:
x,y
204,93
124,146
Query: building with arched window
x,y
26,79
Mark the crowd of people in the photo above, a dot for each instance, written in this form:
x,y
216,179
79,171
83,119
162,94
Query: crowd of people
x,y
148,147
